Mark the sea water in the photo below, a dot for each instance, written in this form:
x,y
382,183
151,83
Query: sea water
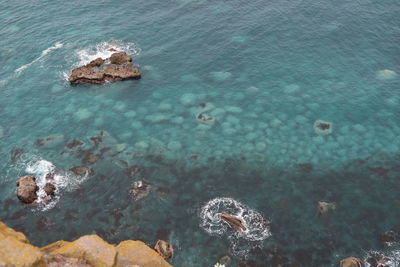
x,y
260,72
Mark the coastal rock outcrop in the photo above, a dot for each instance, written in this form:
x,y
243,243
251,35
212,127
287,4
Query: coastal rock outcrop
x,y
116,68
87,251
164,248
27,189
324,207
351,262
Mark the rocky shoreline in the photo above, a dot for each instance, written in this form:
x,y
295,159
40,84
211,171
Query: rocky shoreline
x,y
87,251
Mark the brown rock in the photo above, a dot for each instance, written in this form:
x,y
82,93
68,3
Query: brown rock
x,y
139,190
90,158
351,262
6,231
165,249
16,253
50,189
62,261
325,207
95,63
233,221
120,58
82,170
96,71
131,253
92,248
53,246
27,189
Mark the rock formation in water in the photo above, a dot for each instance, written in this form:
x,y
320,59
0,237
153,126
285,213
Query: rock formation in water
x,y
115,68
351,262
27,189
323,127
139,190
233,221
49,189
87,251
325,207
164,248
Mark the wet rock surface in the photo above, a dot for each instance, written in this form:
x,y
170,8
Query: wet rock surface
x,y
165,249
351,262
139,190
27,189
50,189
116,68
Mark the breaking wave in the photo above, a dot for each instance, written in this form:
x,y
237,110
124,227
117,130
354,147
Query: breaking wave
x,y
380,259
257,227
62,180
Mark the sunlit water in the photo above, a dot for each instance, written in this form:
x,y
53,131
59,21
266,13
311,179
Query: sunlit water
x,y
260,72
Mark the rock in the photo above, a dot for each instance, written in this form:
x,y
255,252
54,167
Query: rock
x,y
27,189
99,72
120,58
165,249
16,154
225,260
325,207
62,261
322,127
82,170
351,262
16,253
386,74
95,63
6,232
73,144
131,253
92,248
50,141
50,189
139,190
388,238
53,246
233,221
90,158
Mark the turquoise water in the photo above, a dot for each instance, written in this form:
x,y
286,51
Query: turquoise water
x,y
266,71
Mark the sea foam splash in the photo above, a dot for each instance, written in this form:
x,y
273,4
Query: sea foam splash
x,y
257,227
105,50
388,259
61,179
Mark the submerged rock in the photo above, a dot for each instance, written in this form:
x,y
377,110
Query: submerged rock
x,y
323,127
99,71
139,190
16,154
325,207
27,189
165,249
351,262
82,170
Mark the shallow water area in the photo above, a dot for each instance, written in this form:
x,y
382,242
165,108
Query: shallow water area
x,y
227,108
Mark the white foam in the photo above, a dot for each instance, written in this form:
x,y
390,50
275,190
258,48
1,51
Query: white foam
x,y
257,227
105,50
62,181
43,54
392,257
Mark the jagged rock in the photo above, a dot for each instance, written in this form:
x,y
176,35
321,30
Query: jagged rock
x,y
325,207
95,63
389,237
62,261
139,190
82,170
131,253
120,58
92,248
27,189
233,221
98,71
15,249
164,248
50,189
53,246
351,262
6,231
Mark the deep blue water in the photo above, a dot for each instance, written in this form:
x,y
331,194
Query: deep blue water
x,y
265,70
